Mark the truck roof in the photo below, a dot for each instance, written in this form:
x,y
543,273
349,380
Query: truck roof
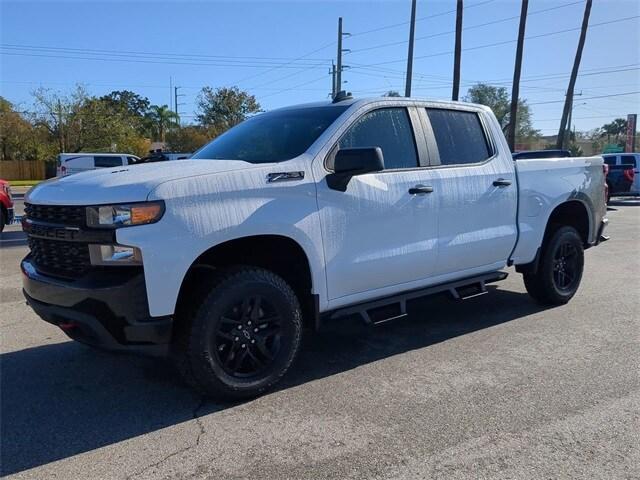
x,y
348,101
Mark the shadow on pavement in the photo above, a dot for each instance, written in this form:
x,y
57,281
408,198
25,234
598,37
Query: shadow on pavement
x,y
65,399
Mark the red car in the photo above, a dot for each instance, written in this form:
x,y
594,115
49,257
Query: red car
x,y
6,204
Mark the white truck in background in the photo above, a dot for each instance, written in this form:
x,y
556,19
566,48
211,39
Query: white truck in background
x,y
70,163
298,215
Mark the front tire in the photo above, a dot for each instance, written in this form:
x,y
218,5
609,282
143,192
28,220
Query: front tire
x,y
243,337
559,270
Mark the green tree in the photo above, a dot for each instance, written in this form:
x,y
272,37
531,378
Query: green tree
x,y
497,98
616,129
59,115
161,118
391,93
223,108
134,104
187,139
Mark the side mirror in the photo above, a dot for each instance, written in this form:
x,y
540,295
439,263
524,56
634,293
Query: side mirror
x,y
350,162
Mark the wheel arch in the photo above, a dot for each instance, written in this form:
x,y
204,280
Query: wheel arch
x,y
279,254
573,212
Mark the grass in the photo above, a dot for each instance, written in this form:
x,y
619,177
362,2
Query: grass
x,y
24,183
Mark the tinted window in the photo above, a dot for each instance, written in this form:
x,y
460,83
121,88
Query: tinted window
x,y
387,128
273,136
610,160
459,136
107,161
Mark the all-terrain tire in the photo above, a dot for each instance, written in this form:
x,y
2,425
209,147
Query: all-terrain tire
x,y
236,318
560,268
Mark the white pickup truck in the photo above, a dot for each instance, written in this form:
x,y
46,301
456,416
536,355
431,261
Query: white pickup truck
x,y
296,216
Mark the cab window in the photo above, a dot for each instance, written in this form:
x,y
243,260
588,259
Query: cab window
x,y
387,128
459,135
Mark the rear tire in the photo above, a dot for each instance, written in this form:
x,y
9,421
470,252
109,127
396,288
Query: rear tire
x,y
243,336
559,270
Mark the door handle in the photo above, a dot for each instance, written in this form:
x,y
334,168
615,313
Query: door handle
x,y
420,189
501,182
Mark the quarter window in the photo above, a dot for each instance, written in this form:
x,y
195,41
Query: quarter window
x,y
387,128
459,135
107,161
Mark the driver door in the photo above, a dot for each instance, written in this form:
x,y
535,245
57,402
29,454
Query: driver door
x,y
377,236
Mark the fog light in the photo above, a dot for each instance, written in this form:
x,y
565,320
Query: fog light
x,y
114,255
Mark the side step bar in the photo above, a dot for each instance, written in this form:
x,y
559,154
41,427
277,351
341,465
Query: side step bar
x,y
393,307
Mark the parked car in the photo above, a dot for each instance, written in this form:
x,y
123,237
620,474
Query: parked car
x,y
298,216
526,154
69,163
6,204
632,159
619,178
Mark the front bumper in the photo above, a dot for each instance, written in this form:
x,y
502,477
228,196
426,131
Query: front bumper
x,y
105,308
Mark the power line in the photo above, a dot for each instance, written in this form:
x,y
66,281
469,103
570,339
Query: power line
x,y
164,62
129,53
424,37
419,19
506,42
589,98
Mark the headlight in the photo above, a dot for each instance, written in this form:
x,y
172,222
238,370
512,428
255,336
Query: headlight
x,y
114,255
114,216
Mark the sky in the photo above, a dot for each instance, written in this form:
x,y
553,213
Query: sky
x,y
282,51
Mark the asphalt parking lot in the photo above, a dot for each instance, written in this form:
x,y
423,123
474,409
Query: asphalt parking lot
x,y
491,387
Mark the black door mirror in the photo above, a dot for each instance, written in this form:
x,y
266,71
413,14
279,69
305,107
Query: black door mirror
x,y
350,162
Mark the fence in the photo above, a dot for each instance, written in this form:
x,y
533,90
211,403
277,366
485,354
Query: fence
x,y
22,170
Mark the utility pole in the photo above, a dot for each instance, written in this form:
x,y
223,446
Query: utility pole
x,y
515,88
340,67
60,128
412,31
560,142
333,79
176,104
338,85
458,52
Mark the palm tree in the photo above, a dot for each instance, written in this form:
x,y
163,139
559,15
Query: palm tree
x,y
161,118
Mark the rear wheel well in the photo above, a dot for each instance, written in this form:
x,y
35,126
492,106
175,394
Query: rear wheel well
x,y
572,214
278,254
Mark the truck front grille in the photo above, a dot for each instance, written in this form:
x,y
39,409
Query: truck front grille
x,y
72,215
59,258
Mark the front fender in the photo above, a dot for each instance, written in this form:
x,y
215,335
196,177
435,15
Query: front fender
x,y
204,212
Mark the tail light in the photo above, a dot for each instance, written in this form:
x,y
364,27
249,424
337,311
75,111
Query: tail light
x,y
605,169
629,174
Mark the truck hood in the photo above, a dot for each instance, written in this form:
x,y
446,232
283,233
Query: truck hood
x,y
130,183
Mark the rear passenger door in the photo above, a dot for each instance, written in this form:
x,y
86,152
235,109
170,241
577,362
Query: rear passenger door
x,y
377,236
476,185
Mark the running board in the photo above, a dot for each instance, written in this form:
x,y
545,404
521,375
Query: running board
x,y
393,307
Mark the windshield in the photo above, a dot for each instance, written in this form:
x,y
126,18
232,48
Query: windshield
x,y
272,136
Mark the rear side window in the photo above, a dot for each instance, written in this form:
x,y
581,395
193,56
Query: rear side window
x,y
460,136
610,160
108,161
